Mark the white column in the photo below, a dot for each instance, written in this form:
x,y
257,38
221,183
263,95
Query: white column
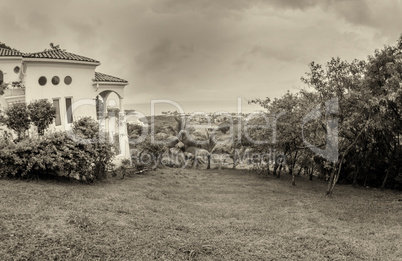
x,y
123,137
121,107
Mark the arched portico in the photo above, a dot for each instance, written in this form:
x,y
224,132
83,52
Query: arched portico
x,y
111,116
110,109
111,103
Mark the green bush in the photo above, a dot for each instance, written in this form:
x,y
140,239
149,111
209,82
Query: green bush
x,y
59,153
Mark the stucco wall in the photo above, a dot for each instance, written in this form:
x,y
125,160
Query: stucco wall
x,y
80,90
7,66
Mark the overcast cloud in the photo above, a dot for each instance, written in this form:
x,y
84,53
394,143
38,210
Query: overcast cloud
x,y
204,50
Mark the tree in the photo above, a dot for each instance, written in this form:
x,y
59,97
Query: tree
x,y
4,46
209,145
342,81
17,119
384,80
368,100
239,144
42,114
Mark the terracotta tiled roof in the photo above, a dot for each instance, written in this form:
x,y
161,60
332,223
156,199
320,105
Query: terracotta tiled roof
x,y
9,52
60,55
101,77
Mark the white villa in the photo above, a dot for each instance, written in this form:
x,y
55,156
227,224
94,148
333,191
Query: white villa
x,y
67,80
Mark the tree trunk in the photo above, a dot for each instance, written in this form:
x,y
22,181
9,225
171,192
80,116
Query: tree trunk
x,y
293,164
321,171
293,179
209,162
385,178
336,176
234,160
390,166
268,172
298,173
195,163
279,172
311,173
355,177
365,179
330,182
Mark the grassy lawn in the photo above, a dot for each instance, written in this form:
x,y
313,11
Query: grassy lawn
x,y
176,214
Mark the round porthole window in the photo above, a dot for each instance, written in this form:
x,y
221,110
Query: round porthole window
x,y
17,69
67,80
42,80
55,80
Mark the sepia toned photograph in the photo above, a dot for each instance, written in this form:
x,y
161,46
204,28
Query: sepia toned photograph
x,y
201,130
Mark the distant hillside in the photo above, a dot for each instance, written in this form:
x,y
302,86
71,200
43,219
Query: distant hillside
x,y
161,122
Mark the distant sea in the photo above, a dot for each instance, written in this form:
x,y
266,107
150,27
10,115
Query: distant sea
x,y
194,106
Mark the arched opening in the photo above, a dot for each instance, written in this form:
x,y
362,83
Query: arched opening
x,y
108,108
1,77
108,101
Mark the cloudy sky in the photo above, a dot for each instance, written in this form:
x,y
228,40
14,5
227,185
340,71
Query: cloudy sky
x,y
204,54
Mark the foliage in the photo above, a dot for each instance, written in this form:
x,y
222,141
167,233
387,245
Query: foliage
x,y
59,153
4,46
99,107
86,128
95,142
3,86
134,130
17,118
125,166
148,154
224,128
2,118
42,114
113,111
368,116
